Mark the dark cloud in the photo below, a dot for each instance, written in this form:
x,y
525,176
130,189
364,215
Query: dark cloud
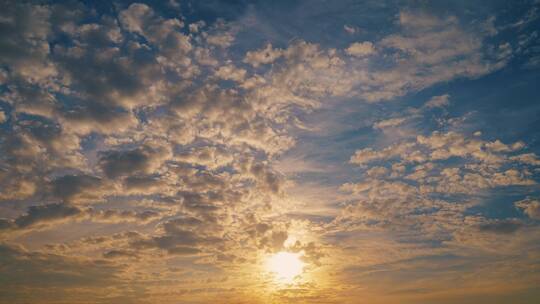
x,y
183,236
42,216
76,187
141,160
23,41
36,277
46,213
57,213
118,216
501,226
116,254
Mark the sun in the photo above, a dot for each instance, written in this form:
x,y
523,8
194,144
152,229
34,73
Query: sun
x,y
285,266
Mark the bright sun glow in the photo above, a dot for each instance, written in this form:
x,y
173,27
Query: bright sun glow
x,y
285,265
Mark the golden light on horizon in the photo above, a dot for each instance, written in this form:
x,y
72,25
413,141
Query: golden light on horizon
x,y
285,266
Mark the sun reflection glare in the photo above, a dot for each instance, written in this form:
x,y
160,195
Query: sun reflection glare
x,y
285,266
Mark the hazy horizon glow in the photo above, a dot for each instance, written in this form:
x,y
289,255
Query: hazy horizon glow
x,y
288,151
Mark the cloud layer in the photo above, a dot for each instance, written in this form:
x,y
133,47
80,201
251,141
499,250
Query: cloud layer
x,y
151,152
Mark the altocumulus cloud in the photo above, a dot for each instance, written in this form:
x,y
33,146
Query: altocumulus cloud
x,y
142,152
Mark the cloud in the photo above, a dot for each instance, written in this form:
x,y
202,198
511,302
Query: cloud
x,y
392,122
140,150
141,19
121,216
527,158
350,29
116,163
24,44
180,238
501,227
50,215
263,56
210,157
484,164
229,72
360,49
429,50
222,40
78,188
41,274
136,17
438,101
46,213
531,207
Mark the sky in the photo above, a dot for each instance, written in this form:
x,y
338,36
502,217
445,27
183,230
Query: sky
x,y
299,151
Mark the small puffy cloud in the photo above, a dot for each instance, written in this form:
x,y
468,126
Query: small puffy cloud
x,y
350,29
486,164
527,158
136,17
210,157
423,20
141,19
196,27
504,51
360,49
389,123
530,206
229,72
498,146
266,178
263,56
377,172
369,154
221,39
438,101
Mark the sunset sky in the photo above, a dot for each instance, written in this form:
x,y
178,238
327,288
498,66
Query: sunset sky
x,y
291,151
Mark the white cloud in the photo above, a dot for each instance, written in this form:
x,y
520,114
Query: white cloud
x,y
485,163
263,56
350,29
229,72
530,206
360,49
388,123
438,101
222,40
